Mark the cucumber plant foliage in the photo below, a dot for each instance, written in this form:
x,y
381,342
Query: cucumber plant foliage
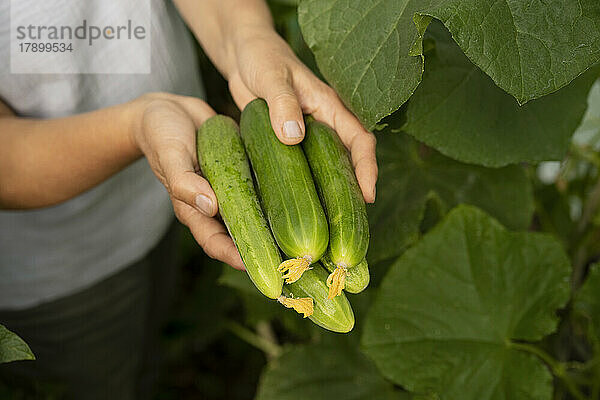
x,y
529,49
491,291
587,302
12,347
487,290
410,177
455,314
348,373
458,110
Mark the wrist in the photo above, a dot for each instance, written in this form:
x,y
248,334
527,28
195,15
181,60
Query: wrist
x,y
133,115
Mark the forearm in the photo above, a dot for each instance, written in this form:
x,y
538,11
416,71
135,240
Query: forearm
x,y
220,25
44,162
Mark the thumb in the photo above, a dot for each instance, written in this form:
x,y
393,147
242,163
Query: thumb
x,y
185,185
285,111
172,133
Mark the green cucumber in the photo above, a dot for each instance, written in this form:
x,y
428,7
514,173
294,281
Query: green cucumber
x,y
287,192
223,162
357,278
342,199
333,314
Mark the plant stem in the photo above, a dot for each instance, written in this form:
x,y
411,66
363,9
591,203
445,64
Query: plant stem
x,y
580,257
558,369
581,253
590,207
271,349
264,329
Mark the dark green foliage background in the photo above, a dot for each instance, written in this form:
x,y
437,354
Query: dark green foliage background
x,y
483,284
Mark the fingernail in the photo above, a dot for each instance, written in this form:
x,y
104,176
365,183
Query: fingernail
x,y
204,204
374,193
291,130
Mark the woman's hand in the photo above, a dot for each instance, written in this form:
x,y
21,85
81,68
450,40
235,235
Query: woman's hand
x,y
239,38
265,66
166,134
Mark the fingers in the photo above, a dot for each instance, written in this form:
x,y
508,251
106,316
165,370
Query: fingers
x,y
362,150
286,115
185,185
169,143
284,107
210,234
240,93
170,125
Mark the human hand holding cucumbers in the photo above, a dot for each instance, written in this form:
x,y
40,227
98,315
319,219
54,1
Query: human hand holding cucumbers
x,y
77,152
90,147
240,39
267,68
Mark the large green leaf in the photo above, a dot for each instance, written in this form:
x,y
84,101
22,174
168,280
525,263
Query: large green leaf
x,y
324,372
450,310
530,49
362,48
411,174
587,299
459,111
12,347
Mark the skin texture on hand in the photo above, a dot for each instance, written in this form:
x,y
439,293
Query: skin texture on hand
x,y
166,134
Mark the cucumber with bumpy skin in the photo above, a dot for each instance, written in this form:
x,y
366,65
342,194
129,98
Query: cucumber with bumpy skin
x,y
357,278
333,314
287,192
342,199
223,162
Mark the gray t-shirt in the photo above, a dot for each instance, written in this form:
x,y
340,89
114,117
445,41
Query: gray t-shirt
x,y
52,252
